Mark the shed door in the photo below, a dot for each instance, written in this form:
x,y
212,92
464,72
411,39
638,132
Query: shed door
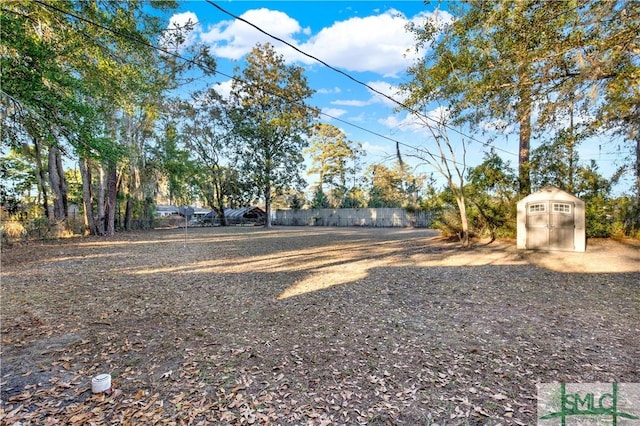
x,y
561,225
550,225
537,225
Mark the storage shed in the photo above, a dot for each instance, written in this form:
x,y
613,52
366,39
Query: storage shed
x,y
551,219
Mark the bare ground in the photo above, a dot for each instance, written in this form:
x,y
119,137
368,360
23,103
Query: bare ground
x,y
308,326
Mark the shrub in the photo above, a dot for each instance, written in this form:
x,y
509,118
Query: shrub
x,y
12,231
40,229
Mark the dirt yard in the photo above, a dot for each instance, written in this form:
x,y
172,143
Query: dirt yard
x,y
308,326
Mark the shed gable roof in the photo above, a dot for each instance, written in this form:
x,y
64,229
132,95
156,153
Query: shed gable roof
x,y
550,192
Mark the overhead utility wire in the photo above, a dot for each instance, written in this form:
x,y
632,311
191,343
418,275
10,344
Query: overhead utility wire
x,y
350,77
131,38
203,65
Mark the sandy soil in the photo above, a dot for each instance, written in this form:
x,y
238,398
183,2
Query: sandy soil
x,y
308,326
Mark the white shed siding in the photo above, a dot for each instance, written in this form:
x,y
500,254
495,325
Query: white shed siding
x,y
551,219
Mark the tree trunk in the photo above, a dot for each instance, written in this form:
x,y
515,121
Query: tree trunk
x,y
267,191
464,222
524,120
267,205
571,187
101,201
87,198
636,224
148,210
58,185
218,193
112,192
223,218
128,213
129,189
42,181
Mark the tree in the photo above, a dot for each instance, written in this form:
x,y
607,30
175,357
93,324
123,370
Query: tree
x,y
614,69
500,59
332,156
492,190
595,190
319,200
387,189
272,121
296,200
17,177
481,66
555,163
64,78
391,187
172,162
205,131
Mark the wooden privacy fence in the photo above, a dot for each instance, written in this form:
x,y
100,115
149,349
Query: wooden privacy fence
x,y
376,217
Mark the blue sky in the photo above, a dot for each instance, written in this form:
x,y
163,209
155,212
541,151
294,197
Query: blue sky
x,y
367,40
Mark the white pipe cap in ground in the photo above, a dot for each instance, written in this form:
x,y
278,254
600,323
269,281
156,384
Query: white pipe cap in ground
x,y
101,383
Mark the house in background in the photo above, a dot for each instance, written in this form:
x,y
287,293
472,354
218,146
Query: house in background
x,y
199,213
162,211
241,216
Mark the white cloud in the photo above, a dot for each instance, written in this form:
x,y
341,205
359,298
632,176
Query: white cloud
x,y
378,43
440,115
353,102
234,39
412,123
334,112
179,23
180,20
387,89
360,118
324,91
438,18
224,88
380,88
406,123
373,149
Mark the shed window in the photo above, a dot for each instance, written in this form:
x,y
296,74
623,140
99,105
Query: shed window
x,y
561,208
537,208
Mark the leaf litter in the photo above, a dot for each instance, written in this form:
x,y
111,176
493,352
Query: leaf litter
x,y
309,326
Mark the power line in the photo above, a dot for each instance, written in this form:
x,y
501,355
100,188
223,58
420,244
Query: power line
x,y
205,66
369,87
354,79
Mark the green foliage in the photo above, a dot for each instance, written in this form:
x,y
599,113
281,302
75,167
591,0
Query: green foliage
x,y
498,58
626,217
598,220
74,186
492,191
445,216
333,156
82,86
296,201
319,200
392,187
600,210
40,229
492,195
272,122
17,177
555,162
355,198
